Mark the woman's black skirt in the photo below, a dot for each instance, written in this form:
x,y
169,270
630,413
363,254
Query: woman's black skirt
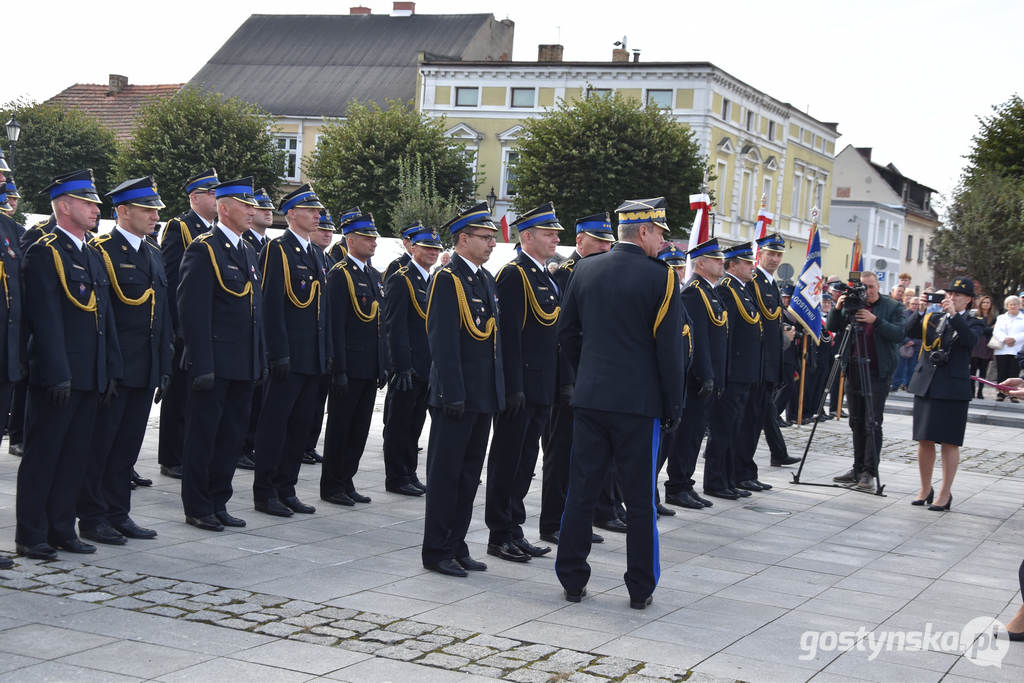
x,y
940,420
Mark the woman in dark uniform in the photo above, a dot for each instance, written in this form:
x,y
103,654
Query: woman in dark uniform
x,y
942,387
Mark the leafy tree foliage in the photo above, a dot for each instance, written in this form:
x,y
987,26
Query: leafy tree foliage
x,y
55,141
180,136
589,155
356,162
418,199
999,145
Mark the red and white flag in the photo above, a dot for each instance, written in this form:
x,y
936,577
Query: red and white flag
x,y
504,228
700,232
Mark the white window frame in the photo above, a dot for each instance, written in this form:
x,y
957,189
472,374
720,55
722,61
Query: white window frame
x,y
647,98
771,130
723,171
467,88
882,233
297,151
751,122
726,109
794,205
819,197
910,247
512,98
506,152
747,180
766,191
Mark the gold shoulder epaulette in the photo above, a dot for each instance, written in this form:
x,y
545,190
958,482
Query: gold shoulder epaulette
x,y
567,263
100,239
47,238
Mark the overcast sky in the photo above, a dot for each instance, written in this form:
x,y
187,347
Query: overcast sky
x,y
906,78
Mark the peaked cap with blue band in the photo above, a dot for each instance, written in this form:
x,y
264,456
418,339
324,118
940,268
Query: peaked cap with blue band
x,y
643,211
709,248
325,222
204,180
598,226
303,197
772,242
787,289
348,213
427,238
360,224
412,229
4,204
12,189
263,199
477,216
740,251
137,192
543,217
239,189
78,184
672,255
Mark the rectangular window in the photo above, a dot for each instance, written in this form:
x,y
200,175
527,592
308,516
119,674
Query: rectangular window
x,y
599,92
771,130
810,196
794,206
660,98
524,97
881,233
725,109
920,250
746,196
910,247
720,199
819,198
766,192
894,238
467,97
751,120
509,186
290,145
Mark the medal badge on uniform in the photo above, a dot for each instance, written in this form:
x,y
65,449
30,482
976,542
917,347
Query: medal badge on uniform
x,y
81,289
302,284
10,252
478,320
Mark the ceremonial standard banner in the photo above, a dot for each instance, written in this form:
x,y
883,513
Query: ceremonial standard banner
x,y
805,306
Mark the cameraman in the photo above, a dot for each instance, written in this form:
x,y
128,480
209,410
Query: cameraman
x,y
882,320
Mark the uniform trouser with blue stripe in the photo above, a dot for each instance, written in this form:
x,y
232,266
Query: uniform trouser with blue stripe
x,y
631,442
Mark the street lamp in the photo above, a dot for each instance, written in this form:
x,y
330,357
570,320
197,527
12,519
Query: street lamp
x,y
13,133
492,198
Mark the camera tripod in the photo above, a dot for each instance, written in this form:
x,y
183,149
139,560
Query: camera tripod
x,y
854,332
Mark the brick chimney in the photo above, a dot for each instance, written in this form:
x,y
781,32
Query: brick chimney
x,y
359,10
116,84
403,9
620,55
549,53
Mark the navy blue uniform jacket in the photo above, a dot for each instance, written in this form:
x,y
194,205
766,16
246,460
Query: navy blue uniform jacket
x,y
355,296
405,322
744,363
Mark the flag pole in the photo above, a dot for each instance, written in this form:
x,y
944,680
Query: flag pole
x,y
803,374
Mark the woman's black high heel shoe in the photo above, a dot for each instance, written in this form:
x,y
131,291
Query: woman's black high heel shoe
x,y
943,508
1017,637
925,501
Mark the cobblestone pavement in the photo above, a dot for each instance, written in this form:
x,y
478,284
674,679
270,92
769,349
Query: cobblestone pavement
x,y
342,595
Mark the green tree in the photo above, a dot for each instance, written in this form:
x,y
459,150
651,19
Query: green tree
x,y
418,199
999,144
356,162
589,155
981,237
179,136
55,141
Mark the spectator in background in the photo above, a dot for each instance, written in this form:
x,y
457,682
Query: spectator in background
x,y
1009,333
981,354
897,292
903,280
908,352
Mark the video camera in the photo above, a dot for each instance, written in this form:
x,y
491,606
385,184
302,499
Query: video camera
x,y
855,292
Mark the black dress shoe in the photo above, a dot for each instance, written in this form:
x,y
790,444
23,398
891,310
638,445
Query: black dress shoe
x,y
419,484
173,471
227,520
337,499
728,494
245,463
570,596
39,551
664,511
703,501
296,505
471,565
308,459
550,538
272,507
507,551
641,604
405,490
595,538
6,562
616,525
102,533
206,523
132,530
447,567
315,455
358,497
683,499
764,486
787,460
529,548
742,493
16,449
748,485
139,480
74,545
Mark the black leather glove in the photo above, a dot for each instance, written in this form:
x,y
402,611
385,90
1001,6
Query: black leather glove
x,y
161,390
340,382
402,380
565,393
455,410
111,393
707,387
514,403
669,424
59,394
382,381
718,393
203,382
279,369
